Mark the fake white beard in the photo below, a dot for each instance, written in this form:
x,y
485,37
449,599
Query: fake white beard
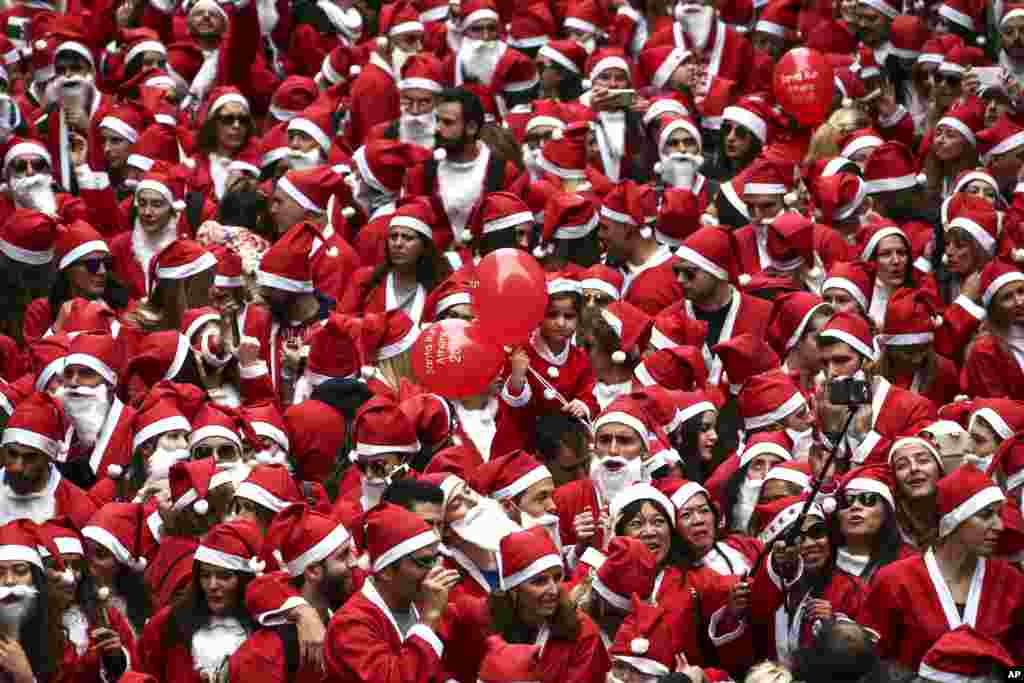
x,y
743,510
70,91
418,128
87,407
398,59
479,59
696,21
14,614
211,349
299,161
35,192
159,464
547,520
679,170
274,455
485,525
611,483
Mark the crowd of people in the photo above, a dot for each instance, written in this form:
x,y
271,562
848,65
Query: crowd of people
x,y
769,428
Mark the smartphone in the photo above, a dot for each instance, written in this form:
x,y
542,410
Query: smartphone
x,y
989,76
623,97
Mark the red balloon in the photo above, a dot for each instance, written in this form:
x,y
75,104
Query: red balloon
x,y
803,85
448,359
512,296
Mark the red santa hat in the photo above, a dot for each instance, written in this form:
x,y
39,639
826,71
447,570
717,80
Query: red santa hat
x,y
798,473
76,240
98,352
381,427
523,555
417,215
229,268
908,34
118,527
19,147
191,481
629,569
156,143
677,367
567,54
914,442
567,216
964,655
37,422
455,290
159,356
315,432
657,64
858,141
422,71
645,641
711,250
677,330
679,216
1003,415
312,188
960,58
754,114
791,313
932,52
78,48
768,398
339,65
680,491
508,476
305,537
662,105
267,422
853,330
529,28
293,95
171,568
46,358
776,517
565,154
1002,137
271,487
890,167
514,73
994,276
606,58
779,18
603,278
967,118
840,195
636,492
315,121
221,96
871,478
961,495
386,335
497,211
28,237
59,533
234,545
431,417
909,318
977,218
626,410
773,443
1009,460
393,533
967,14
543,114
168,407
384,163
217,420
274,146
510,663
333,349
562,282
20,541
856,279
631,325
286,265
180,260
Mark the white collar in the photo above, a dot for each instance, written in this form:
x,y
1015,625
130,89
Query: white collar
x,y
370,591
541,347
971,607
854,565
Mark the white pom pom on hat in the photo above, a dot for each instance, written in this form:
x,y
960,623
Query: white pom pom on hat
x,y
201,506
549,394
553,372
586,83
348,212
257,565
745,279
1018,255
619,357
921,179
791,198
367,371
355,69
103,593
440,154
382,42
639,646
646,233
556,134
828,505
115,471
658,166
847,103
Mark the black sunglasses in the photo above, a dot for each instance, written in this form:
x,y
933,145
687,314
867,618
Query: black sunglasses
x,y
740,130
815,532
93,264
425,562
23,165
866,499
222,452
232,119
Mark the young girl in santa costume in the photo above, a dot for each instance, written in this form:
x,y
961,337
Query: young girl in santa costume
x,y
188,641
551,354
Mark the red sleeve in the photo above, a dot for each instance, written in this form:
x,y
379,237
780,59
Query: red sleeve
x,y
960,321
353,300
13,361
102,208
262,652
37,320
241,47
358,647
589,663
899,130
882,612
152,656
416,182
119,623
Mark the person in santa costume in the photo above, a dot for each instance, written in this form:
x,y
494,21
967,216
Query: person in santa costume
x,y
501,220
955,582
28,171
868,524
992,366
797,318
964,654
972,230
318,557
464,167
916,468
36,645
31,486
268,490
847,350
650,283
189,640
226,130
1011,52
616,338
390,630
524,488
422,81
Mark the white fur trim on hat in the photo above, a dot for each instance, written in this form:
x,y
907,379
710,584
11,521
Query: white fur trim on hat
x,y
982,236
400,346
854,342
167,424
967,509
873,486
536,567
414,224
320,551
554,169
80,251
22,255
749,120
406,27
957,17
77,48
847,286
478,15
881,6
687,254
420,84
228,98
909,339
668,66
93,363
314,131
619,417
27,437
159,188
687,491
617,600
960,127
536,475
781,521
556,56
609,63
995,420
617,216
219,558
859,143
904,182
121,128
298,195
207,431
187,270
25,148
600,285
287,284
764,448
406,547
999,283
677,124
790,406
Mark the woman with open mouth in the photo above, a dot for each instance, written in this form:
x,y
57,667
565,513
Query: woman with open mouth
x,y
869,536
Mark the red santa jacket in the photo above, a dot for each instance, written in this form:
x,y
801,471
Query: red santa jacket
x,y
374,99
363,644
944,387
654,286
265,652
572,499
992,370
60,498
85,666
371,240
359,299
895,413
261,380
569,373
168,664
910,606
113,445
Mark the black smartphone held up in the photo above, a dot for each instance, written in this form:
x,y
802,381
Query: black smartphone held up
x,y
849,392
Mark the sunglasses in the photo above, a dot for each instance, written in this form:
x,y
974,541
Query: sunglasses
x,y
425,562
232,119
815,532
93,265
24,165
728,128
867,499
219,452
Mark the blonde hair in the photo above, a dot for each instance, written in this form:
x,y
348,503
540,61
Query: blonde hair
x,y
769,672
395,368
825,141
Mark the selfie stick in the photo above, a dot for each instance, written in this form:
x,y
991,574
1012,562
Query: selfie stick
x,y
794,530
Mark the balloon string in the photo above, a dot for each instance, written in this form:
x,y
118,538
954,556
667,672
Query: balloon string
x,y
547,385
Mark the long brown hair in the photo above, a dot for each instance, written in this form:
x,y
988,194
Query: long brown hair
x,y
432,268
165,306
929,371
506,622
937,170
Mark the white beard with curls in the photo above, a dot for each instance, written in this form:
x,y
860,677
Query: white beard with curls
x,y
13,613
611,482
418,129
479,59
35,192
87,407
696,20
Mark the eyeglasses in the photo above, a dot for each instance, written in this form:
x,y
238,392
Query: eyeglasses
x,y
233,119
867,499
93,265
219,452
815,532
427,562
24,165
